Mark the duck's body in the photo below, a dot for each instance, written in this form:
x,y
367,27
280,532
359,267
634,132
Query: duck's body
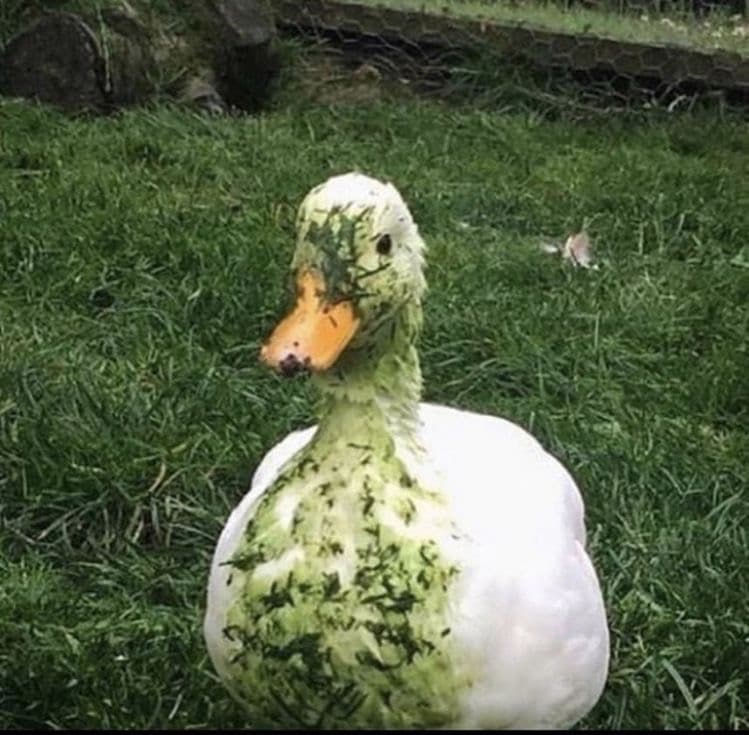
x,y
406,565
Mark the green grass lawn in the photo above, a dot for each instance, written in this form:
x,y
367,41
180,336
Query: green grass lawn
x,y
143,257
717,30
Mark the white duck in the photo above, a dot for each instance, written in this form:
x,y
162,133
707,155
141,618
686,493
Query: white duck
x,y
399,565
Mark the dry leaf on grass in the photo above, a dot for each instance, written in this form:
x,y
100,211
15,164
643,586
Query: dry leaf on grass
x,y
578,250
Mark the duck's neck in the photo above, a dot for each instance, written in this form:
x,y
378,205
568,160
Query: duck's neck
x,y
372,395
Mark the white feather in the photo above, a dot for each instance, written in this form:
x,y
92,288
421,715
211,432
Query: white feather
x,y
528,611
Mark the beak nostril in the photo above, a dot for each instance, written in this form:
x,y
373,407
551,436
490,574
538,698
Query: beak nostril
x,y
312,336
290,365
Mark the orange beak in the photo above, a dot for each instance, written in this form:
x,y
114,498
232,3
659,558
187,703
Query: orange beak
x,y
314,334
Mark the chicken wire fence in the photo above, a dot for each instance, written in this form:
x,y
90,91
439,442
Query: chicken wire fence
x,y
612,50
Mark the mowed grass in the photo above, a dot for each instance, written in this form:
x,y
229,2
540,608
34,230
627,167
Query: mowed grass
x,y
676,24
144,256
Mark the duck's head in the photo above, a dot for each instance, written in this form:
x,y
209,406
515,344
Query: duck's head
x,y
357,265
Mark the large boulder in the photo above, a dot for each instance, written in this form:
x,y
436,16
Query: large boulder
x,y
227,59
246,58
57,59
60,59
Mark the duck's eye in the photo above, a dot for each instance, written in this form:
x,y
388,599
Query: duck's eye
x,y
384,245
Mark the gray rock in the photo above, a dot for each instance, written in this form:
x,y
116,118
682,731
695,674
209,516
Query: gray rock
x,y
200,92
59,59
130,58
244,22
246,59
56,59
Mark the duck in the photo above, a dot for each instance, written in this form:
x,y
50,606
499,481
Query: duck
x,y
399,564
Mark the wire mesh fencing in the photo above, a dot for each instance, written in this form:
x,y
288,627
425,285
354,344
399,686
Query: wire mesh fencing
x,y
664,54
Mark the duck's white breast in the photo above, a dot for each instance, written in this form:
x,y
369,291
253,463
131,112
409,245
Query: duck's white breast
x,y
527,611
